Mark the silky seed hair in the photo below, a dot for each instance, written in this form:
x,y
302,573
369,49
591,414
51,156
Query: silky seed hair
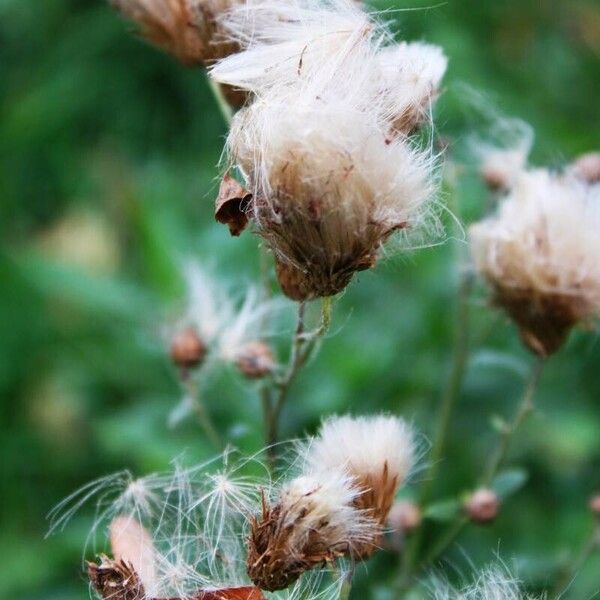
x,y
191,523
493,583
539,252
377,452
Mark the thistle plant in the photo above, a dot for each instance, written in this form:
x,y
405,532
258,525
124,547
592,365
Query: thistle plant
x,y
330,162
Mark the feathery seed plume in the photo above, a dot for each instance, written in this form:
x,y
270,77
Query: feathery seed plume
x,y
377,453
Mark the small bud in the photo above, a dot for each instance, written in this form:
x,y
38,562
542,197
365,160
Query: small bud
x,y
595,505
587,167
187,349
405,517
255,360
483,506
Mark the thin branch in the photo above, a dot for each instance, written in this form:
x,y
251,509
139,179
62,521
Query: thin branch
x,y
199,409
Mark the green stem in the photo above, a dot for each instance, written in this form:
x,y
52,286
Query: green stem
x,y
203,416
447,405
346,588
303,346
525,407
224,107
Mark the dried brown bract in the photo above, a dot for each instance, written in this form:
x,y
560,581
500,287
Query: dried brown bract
x,y
544,320
232,204
115,580
314,521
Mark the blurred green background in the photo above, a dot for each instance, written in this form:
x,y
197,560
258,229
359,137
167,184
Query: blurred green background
x,y
108,154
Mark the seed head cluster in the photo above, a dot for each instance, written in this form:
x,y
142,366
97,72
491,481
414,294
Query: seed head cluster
x,y
339,503
325,147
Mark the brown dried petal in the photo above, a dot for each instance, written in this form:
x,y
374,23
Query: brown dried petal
x,y
231,205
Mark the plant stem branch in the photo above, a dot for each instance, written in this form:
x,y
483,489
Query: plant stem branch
x,y
447,405
199,409
525,408
303,346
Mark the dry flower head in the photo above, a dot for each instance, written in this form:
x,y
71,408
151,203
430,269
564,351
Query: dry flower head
x,y
187,29
540,254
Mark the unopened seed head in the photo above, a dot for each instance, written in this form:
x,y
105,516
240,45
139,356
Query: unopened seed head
x,y
483,506
405,517
255,360
187,349
595,505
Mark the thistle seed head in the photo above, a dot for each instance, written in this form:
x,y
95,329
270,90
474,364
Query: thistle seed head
x,y
313,521
539,253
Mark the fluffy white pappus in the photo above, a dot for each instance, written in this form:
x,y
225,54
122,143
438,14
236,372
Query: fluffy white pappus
x,y
544,239
208,305
494,583
326,502
501,167
189,525
363,447
246,325
287,44
410,76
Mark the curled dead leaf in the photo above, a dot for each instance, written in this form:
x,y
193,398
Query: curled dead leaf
x,y
231,205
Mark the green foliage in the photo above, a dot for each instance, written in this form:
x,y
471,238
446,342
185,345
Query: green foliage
x,y
108,164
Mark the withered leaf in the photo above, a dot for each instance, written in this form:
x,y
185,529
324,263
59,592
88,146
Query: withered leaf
x,y
231,205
